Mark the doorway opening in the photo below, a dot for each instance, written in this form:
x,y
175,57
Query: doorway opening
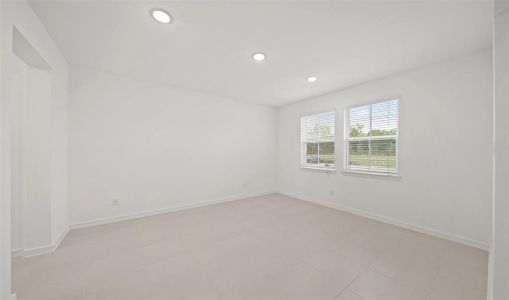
x,y
31,144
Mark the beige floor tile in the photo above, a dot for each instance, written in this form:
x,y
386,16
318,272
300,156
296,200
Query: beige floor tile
x,y
372,285
460,281
269,247
412,270
302,281
347,294
336,267
355,251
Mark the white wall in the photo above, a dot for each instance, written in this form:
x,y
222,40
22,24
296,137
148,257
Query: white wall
x,y
18,69
499,256
35,161
20,15
154,147
5,209
445,149
52,138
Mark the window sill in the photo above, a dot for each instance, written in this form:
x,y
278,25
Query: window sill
x,y
372,174
327,170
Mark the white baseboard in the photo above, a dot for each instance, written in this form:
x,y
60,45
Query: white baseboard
x,y
51,248
436,233
164,210
421,229
33,251
40,250
432,232
11,297
60,238
16,252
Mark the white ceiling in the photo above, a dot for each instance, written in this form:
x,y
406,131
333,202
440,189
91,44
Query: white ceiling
x,y
209,44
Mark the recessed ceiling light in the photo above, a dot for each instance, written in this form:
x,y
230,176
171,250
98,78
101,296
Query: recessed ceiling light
x,y
258,56
312,79
161,16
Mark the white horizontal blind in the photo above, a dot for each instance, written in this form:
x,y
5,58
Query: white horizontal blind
x,y
371,138
318,132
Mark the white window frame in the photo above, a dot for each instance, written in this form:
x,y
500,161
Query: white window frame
x,y
347,138
303,163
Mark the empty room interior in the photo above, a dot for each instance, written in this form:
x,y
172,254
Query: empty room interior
x,y
155,150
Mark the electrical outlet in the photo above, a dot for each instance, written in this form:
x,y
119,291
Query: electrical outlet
x,y
115,202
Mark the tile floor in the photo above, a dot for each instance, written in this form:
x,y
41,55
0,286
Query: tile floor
x,y
269,247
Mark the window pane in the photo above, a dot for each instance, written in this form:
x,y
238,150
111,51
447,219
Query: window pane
x,y
311,128
358,155
383,155
319,127
311,153
326,154
318,134
372,137
327,126
384,119
359,121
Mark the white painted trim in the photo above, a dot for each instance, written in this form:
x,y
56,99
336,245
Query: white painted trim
x,y
154,212
40,250
51,248
326,170
17,252
369,174
436,233
61,237
34,251
11,297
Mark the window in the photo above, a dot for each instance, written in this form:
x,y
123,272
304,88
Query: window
x,y
317,136
371,138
